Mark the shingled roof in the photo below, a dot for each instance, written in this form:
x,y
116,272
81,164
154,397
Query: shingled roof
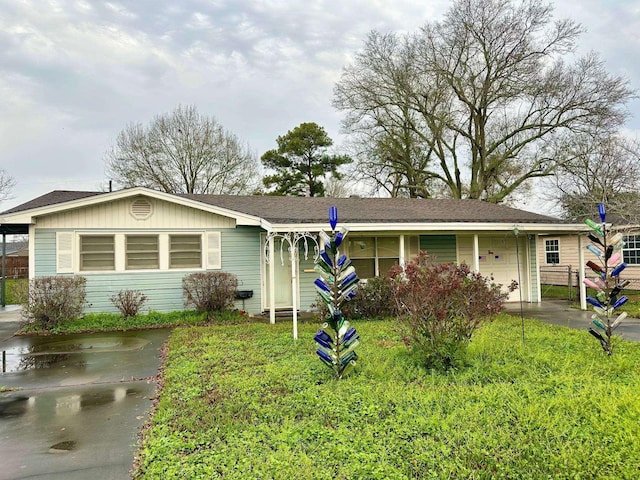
x,y
283,210
368,210
51,198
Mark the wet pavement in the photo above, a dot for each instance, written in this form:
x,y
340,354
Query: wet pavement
x,y
559,312
79,402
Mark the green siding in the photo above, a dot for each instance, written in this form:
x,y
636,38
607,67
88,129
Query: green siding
x,y
240,256
307,288
442,247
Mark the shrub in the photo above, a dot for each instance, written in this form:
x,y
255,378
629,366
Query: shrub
x,y
209,291
374,299
129,302
52,300
440,305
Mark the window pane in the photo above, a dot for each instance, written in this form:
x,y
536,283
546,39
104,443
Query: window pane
x,y
631,250
142,252
411,247
185,251
389,247
384,264
97,252
552,251
362,247
365,268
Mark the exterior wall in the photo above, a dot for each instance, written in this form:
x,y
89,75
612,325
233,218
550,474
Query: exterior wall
x,y
569,261
558,274
240,256
117,214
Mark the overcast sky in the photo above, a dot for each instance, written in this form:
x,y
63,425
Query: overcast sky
x,y
74,73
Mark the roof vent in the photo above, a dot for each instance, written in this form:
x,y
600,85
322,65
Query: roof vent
x,y
141,209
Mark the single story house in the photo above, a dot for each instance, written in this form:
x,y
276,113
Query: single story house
x,y
147,240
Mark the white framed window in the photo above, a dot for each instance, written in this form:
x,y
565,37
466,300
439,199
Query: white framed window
x,y
631,250
93,252
185,251
374,255
552,251
97,252
142,252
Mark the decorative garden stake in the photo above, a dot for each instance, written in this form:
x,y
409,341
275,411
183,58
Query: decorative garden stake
x,y
607,284
338,281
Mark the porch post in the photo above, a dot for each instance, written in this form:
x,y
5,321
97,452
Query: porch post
x,y
402,260
294,293
476,253
272,279
581,285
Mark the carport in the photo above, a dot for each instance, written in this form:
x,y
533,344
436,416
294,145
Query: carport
x,y
7,229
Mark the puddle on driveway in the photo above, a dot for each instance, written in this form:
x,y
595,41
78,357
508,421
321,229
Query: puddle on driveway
x,y
39,353
64,404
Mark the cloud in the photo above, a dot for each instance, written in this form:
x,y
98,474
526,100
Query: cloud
x,y
73,73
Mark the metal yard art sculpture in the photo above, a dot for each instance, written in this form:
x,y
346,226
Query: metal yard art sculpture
x,y
607,247
338,281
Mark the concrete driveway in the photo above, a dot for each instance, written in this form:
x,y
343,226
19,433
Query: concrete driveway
x,y
79,404
559,312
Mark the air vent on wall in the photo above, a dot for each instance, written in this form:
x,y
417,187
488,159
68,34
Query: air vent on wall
x,y
141,209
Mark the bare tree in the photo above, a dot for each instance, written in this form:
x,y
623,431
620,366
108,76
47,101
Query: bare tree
x,y
183,152
606,171
487,93
6,185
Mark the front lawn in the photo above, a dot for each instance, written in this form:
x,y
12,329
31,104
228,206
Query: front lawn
x,y
108,322
245,401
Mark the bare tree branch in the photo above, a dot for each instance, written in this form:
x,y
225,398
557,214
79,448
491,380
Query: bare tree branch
x,y
183,152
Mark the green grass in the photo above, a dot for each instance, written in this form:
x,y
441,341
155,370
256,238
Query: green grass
x,y
245,401
101,322
12,286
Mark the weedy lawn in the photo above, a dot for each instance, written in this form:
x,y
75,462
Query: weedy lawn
x,y
245,401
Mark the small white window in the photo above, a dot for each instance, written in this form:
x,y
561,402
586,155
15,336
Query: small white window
x,y
552,251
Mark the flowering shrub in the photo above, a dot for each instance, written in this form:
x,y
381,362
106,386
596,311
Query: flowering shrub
x,y
440,305
209,291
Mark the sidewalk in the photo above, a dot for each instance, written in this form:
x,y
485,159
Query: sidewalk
x,y
559,312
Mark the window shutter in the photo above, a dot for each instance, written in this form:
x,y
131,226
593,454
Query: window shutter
x,y
64,252
214,251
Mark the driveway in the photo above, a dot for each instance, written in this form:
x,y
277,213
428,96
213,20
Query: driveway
x,y
79,404
559,312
